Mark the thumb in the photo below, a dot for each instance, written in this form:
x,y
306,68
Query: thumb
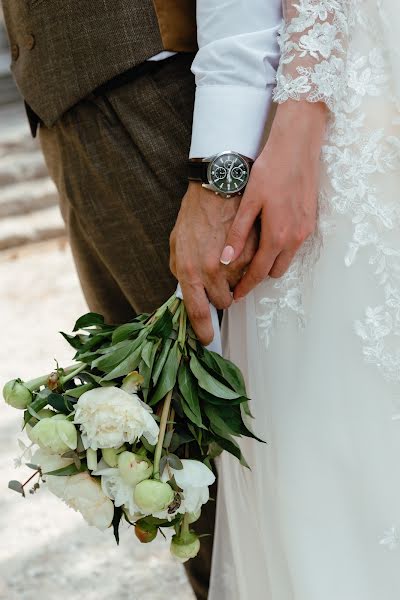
x,y
239,232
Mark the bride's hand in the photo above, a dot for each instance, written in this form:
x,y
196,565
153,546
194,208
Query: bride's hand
x,y
282,191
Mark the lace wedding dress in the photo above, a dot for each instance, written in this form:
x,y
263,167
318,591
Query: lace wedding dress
x,y
318,515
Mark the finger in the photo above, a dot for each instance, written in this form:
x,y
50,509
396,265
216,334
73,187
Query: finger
x,y
219,292
282,263
198,308
257,271
239,231
215,282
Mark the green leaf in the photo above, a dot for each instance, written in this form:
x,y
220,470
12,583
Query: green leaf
x,y
89,320
78,391
69,470
230,372
168,375
118,512
128,365
16,486
73,340
179,439
161,360
147,352
60,403
208,382
206,397
113,358
37,405
146,370
188,388
163,325
229,444
125,331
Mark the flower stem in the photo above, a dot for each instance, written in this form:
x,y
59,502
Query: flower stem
x,y
185,525
161,436
72,371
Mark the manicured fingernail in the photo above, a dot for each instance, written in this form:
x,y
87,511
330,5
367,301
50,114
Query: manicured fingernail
x,y
227,255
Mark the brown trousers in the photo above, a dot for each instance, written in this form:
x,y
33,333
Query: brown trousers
x,y
118,160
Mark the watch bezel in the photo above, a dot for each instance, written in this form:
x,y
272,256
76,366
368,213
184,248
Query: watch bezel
x,y
211,160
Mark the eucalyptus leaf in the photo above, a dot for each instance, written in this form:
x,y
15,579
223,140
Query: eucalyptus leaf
x,y
32,466
208,382
16,486
174,462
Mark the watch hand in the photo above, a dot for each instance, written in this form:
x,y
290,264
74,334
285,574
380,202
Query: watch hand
x,y
230,171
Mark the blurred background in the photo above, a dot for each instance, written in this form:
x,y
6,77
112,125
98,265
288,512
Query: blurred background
x,y
46,549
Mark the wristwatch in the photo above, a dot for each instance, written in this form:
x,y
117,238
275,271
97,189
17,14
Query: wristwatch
x,y
226,173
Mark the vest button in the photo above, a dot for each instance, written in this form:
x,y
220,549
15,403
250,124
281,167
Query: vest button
x,y
29,41
14,52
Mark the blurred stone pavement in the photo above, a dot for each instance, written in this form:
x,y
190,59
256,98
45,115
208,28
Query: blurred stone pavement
x,y
46,549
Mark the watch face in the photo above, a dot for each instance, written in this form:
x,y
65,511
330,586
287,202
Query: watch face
x,y
228,173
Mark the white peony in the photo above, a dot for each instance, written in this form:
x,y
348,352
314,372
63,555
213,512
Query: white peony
x,y
108,417
115,488
84,494
194,479
49,462
55,434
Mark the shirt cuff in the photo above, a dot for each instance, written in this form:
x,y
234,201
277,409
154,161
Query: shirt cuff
x,y
229,118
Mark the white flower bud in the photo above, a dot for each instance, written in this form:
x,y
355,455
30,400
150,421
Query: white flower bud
x,y
44,413
110,455
185,547
134,468
56,434
16,394
153,496
91,459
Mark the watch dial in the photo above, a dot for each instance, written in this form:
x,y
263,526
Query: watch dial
x,y
229,173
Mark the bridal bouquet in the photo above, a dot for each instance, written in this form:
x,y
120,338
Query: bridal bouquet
x,y
130,430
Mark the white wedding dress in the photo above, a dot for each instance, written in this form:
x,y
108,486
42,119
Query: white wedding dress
x,y
318,515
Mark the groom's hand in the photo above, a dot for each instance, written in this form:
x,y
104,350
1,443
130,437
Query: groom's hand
x,y
197,241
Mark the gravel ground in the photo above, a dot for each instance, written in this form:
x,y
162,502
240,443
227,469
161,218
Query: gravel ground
x,y
46,550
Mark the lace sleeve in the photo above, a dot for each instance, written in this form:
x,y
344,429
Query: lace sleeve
x,y
312,39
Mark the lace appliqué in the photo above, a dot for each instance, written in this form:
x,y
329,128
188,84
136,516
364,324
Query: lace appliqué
x,y
356,160
312,42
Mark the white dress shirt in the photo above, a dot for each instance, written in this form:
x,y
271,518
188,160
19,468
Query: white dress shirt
x,y
235,73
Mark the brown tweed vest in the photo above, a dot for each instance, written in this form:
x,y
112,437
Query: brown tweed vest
x,y
63,49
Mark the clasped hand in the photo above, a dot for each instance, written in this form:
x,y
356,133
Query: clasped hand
x,y
281,198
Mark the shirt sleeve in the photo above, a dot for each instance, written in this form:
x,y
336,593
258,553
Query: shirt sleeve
x,y
235,71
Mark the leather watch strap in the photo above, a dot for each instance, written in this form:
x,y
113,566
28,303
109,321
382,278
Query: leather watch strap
x,y
197,171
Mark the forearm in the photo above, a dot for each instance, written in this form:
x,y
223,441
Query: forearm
x,y
235,73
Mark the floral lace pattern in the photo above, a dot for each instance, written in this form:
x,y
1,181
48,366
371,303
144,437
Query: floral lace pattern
x,y
360,155
355,160
312,42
